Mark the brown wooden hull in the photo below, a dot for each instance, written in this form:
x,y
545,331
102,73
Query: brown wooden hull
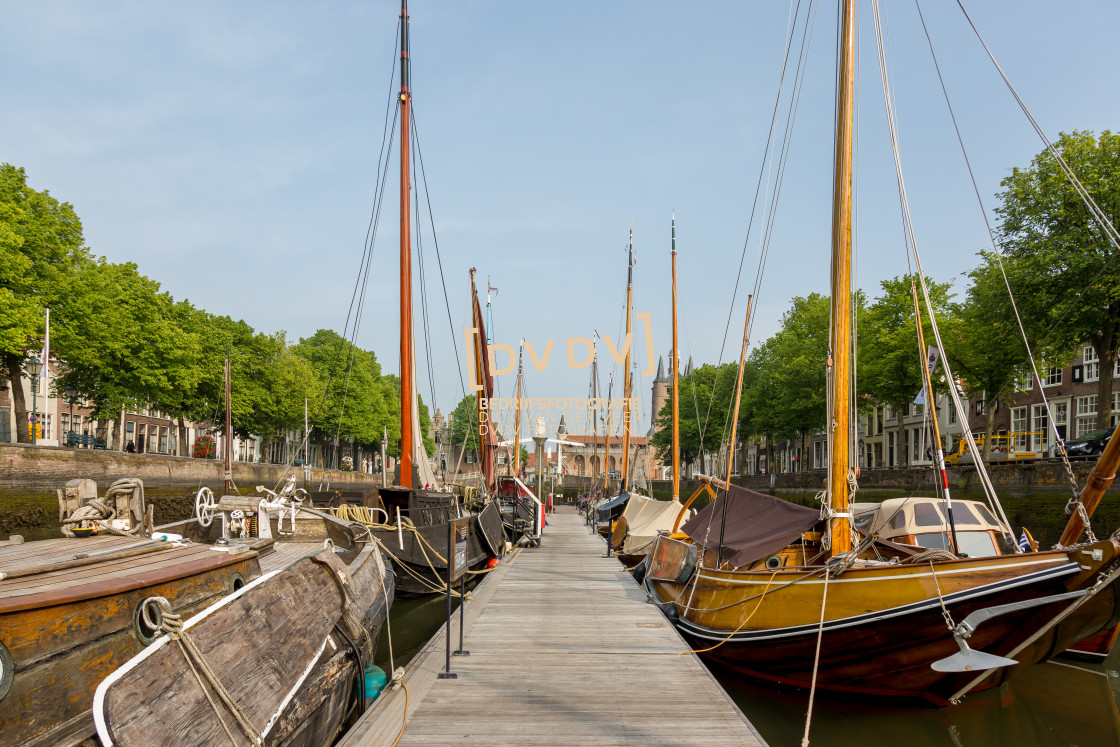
x,y
64,641
277,648
881,634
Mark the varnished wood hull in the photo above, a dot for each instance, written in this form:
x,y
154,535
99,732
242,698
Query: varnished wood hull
x,y
882,633
65,641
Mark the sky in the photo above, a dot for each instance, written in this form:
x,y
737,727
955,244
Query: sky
x,y
231,151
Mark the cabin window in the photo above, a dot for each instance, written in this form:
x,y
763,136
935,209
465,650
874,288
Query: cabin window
x,y
898,519
962,516
976,544
925,515
986,515
934,541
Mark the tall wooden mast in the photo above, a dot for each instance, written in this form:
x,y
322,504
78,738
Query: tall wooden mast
x,y
229,426
480,372
626,373
406,264
676,379
517,422
840,531
595,398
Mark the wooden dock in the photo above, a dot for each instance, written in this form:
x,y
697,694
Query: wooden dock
x,y
564,649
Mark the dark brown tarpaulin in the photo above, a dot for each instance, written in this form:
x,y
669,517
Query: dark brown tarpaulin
x,y
757,524
489,438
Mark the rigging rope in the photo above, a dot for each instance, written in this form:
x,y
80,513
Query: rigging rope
x,y
908,228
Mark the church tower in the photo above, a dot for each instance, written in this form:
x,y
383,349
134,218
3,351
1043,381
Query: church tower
x,y
659,397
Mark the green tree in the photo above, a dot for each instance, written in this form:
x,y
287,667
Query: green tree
x,y
705,399
985,344
890,363
464,423
1067,272
41,249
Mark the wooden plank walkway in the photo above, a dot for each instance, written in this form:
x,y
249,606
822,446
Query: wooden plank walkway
x,y
564,650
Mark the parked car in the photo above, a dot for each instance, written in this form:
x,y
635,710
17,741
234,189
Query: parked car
x,y
1090,444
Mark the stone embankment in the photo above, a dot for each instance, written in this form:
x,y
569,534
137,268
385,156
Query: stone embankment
x,y
23,466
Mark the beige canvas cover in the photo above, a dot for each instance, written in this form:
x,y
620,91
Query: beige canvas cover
x,y
645,517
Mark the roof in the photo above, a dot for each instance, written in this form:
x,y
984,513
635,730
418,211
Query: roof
x,y
898,517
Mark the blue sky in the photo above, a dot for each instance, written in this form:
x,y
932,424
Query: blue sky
x,y
230,150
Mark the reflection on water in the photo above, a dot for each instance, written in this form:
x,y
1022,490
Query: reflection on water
x,y
413,622
1055,704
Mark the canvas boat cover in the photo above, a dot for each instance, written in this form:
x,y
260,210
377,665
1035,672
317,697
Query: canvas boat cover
x,y
614,505
757,524
645,517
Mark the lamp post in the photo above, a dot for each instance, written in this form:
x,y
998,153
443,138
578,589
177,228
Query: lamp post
x,y
69,392
34,366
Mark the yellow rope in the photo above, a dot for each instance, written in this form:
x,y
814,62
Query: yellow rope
x,y
404,721
743,624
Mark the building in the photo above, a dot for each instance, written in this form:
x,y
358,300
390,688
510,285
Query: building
x,y
1072,392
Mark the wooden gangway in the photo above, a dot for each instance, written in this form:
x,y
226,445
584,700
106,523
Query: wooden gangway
x,y
564,649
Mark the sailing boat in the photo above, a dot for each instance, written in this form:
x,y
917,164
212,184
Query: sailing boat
x,y
777,592
607,512
645,518
415,535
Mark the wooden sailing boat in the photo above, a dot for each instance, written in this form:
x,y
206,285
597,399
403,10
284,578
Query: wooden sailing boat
x,y
415,534
752,587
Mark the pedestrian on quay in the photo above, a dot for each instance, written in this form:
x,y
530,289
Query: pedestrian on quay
x,y
130,447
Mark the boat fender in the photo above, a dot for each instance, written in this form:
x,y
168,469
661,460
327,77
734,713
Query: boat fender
x,y
773,562
493,562
375,681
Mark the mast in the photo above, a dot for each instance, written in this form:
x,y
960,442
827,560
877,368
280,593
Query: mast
x,y
738,396
229,433
676,378
626,373
517,426
932,408
595,396
607,457
478,367
840,527
406,265
1104,472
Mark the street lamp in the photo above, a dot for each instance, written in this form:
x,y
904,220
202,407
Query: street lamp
x,y
69,392
34,366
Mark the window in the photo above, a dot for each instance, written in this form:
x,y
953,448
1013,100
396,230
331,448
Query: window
x,y
1024,380
1086,414
916,444
1116,401
5,426
952,414
890,449
1092,363
888,414
1019,428
64,418
1053,377
1040,429
926,515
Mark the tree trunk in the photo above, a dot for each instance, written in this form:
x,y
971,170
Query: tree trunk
x,y
184,448
903,436
14,366
989,425
1107,360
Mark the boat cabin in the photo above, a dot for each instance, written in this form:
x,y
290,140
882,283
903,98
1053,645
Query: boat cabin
x,y
922,522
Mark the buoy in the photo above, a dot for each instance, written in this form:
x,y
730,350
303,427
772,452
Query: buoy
x,y
376,680
493,562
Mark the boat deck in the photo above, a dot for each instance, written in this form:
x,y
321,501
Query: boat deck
x,y
72,568
564,649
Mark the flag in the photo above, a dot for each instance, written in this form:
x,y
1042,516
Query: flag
x,y
1024,543
932,354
